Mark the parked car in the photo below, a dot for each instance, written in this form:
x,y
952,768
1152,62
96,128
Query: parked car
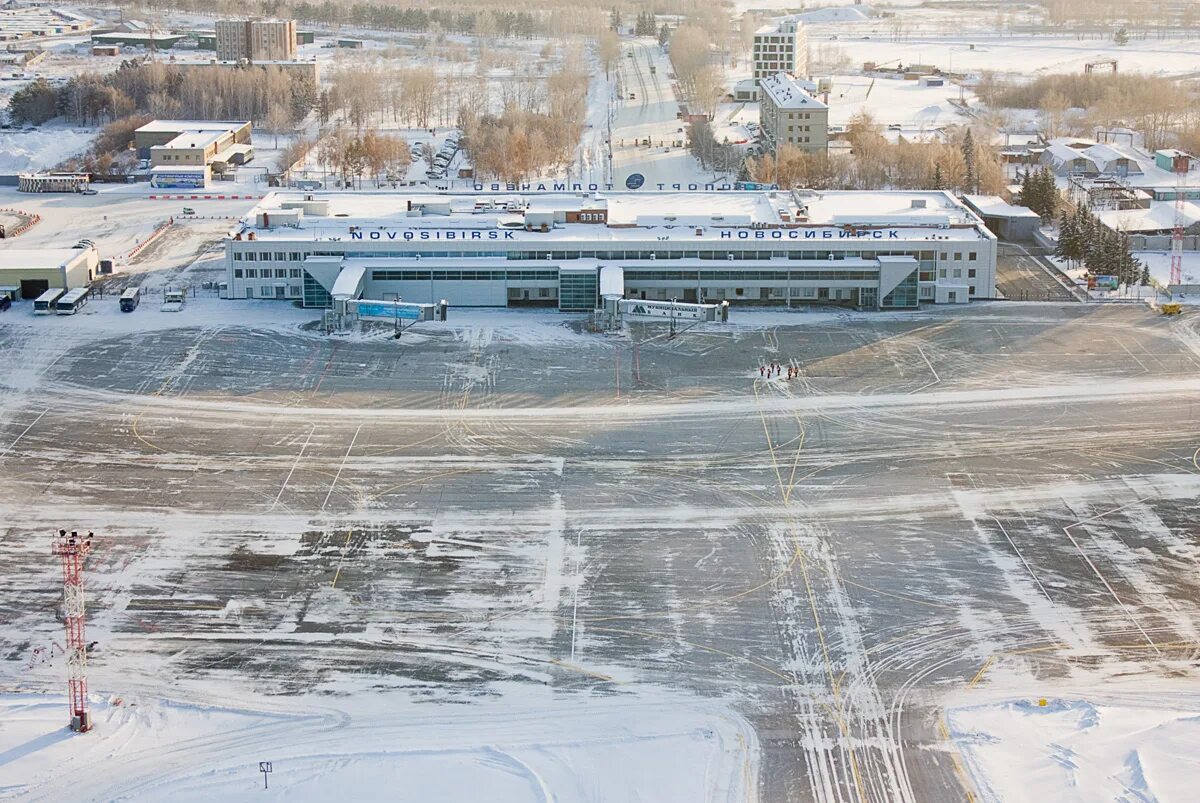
x,y
5,303
88,191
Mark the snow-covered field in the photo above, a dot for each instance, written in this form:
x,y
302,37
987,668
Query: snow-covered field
x,y
1076,751
1159,263
893,102
976,51
528,747
42,148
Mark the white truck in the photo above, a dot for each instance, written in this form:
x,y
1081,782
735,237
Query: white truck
x,y
174,299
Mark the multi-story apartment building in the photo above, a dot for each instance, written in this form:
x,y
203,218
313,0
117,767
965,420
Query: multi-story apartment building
x,y
790,114
256,40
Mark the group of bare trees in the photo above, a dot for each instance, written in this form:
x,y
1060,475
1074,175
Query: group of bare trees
x,y
701,81
409,95
532,139
370,155
873,163
196,92
1164,111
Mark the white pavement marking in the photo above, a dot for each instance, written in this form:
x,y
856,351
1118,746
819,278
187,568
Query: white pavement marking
x,y
23,433
341,465
578,583
299,457
1096,571
1022,557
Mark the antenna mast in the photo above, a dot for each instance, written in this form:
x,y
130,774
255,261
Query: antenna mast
x,y
72,549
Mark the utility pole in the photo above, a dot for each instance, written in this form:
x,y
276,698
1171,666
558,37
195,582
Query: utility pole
x,y
72,549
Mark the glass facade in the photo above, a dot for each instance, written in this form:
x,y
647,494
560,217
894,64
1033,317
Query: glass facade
x,y
314,294
903,296
577,290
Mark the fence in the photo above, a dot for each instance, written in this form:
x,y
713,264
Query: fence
x,y
32,219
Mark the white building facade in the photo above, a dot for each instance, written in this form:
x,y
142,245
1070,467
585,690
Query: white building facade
x,y
864,250
782,47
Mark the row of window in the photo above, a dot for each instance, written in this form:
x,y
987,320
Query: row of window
x,y
723,254
463,275
761,275
265,273
267,256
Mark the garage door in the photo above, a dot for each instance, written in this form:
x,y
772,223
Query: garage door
x,y
32,288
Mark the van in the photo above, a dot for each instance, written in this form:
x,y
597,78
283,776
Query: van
x,y
130,299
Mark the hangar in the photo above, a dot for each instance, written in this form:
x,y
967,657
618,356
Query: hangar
x,y
27,273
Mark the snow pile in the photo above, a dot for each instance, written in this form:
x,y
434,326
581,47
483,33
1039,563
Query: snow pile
x,y
22,151
536,749
1072,750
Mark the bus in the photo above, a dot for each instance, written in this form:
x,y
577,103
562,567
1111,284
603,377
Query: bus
x,y
44,304
72,301
130,299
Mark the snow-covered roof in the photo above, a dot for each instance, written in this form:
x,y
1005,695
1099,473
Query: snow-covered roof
x,y
38,258
183,126
1062,153
788,92
1159,217
995,206
637,216
1104,155
192,139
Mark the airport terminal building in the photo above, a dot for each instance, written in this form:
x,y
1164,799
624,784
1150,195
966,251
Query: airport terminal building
x,y
862,250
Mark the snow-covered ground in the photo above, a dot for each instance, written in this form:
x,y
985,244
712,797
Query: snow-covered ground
x,y
976,50
1159,263
1075,750
531,746
42,148
894,102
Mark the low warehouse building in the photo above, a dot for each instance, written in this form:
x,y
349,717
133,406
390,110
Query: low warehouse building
x,y
27,273
160,132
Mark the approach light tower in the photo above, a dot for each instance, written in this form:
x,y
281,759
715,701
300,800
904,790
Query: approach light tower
x,y
72,549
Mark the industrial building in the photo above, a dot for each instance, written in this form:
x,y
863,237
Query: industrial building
x,y
865,250
782,47
256,40
19,22
27,273
182,152
790,114
150,41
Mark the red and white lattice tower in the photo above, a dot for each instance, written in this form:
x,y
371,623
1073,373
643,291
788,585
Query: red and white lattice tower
x,y
72,549
1181,169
